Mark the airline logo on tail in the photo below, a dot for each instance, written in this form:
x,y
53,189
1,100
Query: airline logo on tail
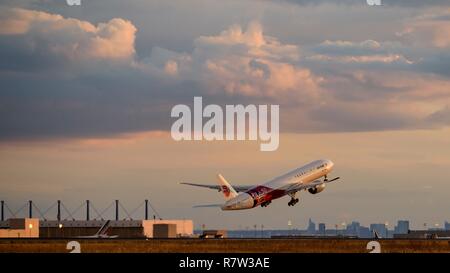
x,y
226,188
226,191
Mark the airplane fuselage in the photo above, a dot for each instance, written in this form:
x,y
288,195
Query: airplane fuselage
x,y
280,186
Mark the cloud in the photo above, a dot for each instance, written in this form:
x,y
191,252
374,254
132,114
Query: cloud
x,y
349,48
51,35
426,37
441,116
365,52
391,58
64,77
70,78
430,29
242,62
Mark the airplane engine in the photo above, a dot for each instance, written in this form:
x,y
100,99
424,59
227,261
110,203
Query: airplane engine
x,y
317,189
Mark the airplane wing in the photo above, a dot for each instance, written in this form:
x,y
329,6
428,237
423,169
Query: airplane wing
x,y
300,186
218,188
208,206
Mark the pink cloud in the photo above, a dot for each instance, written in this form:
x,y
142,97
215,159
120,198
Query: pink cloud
x,y
244,62
70,37
430,29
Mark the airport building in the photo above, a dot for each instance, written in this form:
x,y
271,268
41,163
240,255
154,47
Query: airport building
x,y
183,228
19,228
35,228
71,228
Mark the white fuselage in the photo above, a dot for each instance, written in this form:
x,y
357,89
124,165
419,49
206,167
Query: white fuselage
x,y
280,186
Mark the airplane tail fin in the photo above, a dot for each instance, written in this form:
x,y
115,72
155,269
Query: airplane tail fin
x,y
103,229
226,188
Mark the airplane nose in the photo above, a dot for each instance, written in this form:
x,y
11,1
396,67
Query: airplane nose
x,y
330,164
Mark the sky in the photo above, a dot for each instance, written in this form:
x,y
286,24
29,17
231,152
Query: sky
x,y
86,94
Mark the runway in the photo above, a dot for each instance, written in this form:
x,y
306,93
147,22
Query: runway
x,y
225,245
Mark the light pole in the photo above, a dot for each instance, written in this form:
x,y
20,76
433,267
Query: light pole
x,y
344,227
386,229
60,226
289,227
30,226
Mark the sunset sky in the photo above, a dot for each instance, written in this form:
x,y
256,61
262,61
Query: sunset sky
x,y
86,94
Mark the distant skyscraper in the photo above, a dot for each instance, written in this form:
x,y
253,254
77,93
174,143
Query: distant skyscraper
x,y
364,232
402,227
353,229
447,225
311,227
322,229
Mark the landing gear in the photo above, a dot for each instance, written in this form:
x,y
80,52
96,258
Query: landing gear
x,y
265,204
293,202
325,178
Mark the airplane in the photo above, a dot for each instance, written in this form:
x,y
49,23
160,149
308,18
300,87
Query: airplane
x,y
307,177
376,235
101,233
436,236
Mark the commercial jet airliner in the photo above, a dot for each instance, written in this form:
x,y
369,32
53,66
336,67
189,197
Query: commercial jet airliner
x,y
307,177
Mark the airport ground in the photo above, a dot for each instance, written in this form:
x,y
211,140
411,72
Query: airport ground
x,y
225,245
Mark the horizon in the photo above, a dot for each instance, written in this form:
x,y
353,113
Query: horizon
x,y
87,93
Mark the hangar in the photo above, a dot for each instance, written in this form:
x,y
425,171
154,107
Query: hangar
x,y
26,227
